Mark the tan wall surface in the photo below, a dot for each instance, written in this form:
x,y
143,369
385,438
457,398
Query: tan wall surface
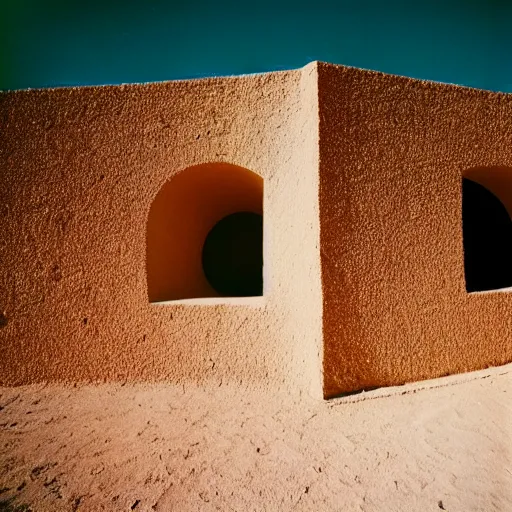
x,y
374,189
80,168
392,155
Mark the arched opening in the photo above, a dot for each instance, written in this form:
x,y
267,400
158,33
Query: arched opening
x,y
487,228
205,235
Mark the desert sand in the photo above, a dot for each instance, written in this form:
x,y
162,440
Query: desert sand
x,y
444,444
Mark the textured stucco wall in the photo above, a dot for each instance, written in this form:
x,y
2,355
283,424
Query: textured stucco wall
x,y
392,155
80,168
364,274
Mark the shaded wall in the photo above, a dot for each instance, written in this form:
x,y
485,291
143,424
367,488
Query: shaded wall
x,y
393,152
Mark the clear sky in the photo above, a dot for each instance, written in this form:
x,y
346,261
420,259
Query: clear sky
x,y
78,42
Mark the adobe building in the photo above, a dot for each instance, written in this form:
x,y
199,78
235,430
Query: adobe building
x,y
298,230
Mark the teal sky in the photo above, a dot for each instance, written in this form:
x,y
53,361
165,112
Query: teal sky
x,y
47,43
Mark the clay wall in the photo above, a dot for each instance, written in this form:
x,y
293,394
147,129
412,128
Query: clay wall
x,y
393,152
81,169
109,192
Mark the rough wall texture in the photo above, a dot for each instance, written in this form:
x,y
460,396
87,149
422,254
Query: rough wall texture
x,y
362,230
80,168
392,155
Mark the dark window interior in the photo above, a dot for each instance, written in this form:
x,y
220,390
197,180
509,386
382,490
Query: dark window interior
x,y
233,255
487,235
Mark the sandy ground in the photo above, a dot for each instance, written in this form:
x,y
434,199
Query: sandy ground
x,y
440,445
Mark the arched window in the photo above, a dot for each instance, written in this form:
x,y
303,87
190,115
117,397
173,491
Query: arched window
x,y
487,228
205,235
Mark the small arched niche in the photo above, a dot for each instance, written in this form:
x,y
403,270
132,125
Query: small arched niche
x,y
205,235
487,228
